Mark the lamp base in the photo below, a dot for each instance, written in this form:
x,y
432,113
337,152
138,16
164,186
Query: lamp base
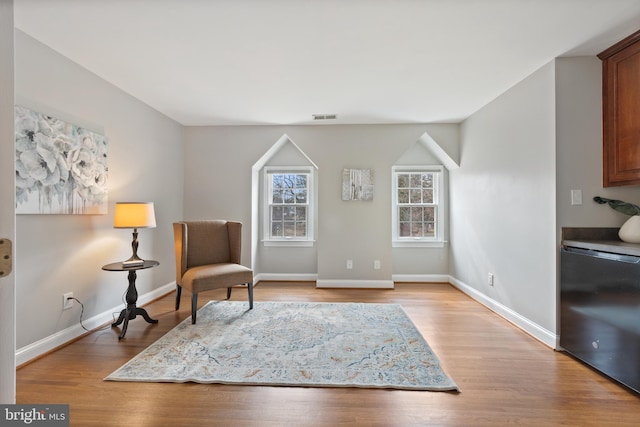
x,y
133,262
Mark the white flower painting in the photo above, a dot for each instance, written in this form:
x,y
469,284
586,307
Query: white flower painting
x,y
60,168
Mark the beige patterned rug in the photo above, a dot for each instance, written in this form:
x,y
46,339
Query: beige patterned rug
x,y
293,344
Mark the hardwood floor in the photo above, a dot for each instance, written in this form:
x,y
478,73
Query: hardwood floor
x,y
505,376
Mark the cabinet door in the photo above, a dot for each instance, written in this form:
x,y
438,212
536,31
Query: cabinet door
x,y
621,113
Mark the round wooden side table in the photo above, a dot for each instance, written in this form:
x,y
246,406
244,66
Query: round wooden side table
x,y
132,310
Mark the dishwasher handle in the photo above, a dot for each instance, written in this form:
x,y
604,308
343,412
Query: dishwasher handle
x,y
629,259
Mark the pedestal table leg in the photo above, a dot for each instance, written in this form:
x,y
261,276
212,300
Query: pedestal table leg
x,y
132,310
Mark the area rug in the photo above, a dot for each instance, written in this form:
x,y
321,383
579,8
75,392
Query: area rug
x,y
293,344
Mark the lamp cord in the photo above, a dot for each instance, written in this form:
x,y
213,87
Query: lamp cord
x,y
107,326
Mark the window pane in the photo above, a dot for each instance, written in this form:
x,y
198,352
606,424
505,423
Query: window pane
x,y
403,196
301,195
416,196
403,180
301,213
301,181
416,214
289,213
277,196
276,228
427,180
289,196
416,229
430,229
405,229
430,214
427,196
301,229
289,229
277,181
289,180
416,180
404,213
277,213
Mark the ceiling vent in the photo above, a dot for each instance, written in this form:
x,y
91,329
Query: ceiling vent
x,y
324,116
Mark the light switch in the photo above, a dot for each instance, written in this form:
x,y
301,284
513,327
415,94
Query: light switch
x,y
576,197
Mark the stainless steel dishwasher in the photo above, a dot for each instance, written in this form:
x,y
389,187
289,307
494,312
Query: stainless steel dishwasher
x,y
600,311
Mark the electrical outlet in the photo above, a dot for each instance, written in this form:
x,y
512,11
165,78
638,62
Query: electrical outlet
x,y
376,264
349,264
67,302
490,279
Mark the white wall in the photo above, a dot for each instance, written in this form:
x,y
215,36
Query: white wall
x,y
579,147
218,185
65,253
502,201
521,156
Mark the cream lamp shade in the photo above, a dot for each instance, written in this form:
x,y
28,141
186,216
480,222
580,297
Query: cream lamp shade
x,y
134,215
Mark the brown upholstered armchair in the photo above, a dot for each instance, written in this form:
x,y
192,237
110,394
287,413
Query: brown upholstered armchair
x,y
208,257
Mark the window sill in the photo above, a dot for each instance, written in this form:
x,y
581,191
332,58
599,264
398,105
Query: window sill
x,y
289,243
418,243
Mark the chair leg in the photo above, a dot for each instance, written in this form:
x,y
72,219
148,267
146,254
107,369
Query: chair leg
x,y
229,292
178,294
194,308
250,289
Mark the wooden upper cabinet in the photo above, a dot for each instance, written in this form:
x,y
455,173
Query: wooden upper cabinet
x,y
621,112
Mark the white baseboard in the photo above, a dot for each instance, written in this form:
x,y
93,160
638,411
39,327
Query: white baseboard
x,y
413,278
544,335
355,284
285,277
38,348
421,278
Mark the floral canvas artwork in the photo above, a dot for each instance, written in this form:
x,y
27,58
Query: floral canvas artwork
x,y
60,168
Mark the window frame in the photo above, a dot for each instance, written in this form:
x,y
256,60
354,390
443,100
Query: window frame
x,y
269,240
438,202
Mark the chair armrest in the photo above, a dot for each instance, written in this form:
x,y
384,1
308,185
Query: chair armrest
x,y
234,229
180,245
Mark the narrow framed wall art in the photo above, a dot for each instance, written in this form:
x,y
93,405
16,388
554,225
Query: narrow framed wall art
x,y
357,184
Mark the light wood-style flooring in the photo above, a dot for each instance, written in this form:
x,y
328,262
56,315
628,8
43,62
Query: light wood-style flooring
x,y
505,376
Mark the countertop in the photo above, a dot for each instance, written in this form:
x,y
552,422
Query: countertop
x,y
598,239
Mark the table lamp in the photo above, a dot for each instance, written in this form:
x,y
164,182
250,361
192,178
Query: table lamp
x,y
134,215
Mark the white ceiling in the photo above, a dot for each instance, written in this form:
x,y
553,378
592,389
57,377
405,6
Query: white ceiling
x,y
212,62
